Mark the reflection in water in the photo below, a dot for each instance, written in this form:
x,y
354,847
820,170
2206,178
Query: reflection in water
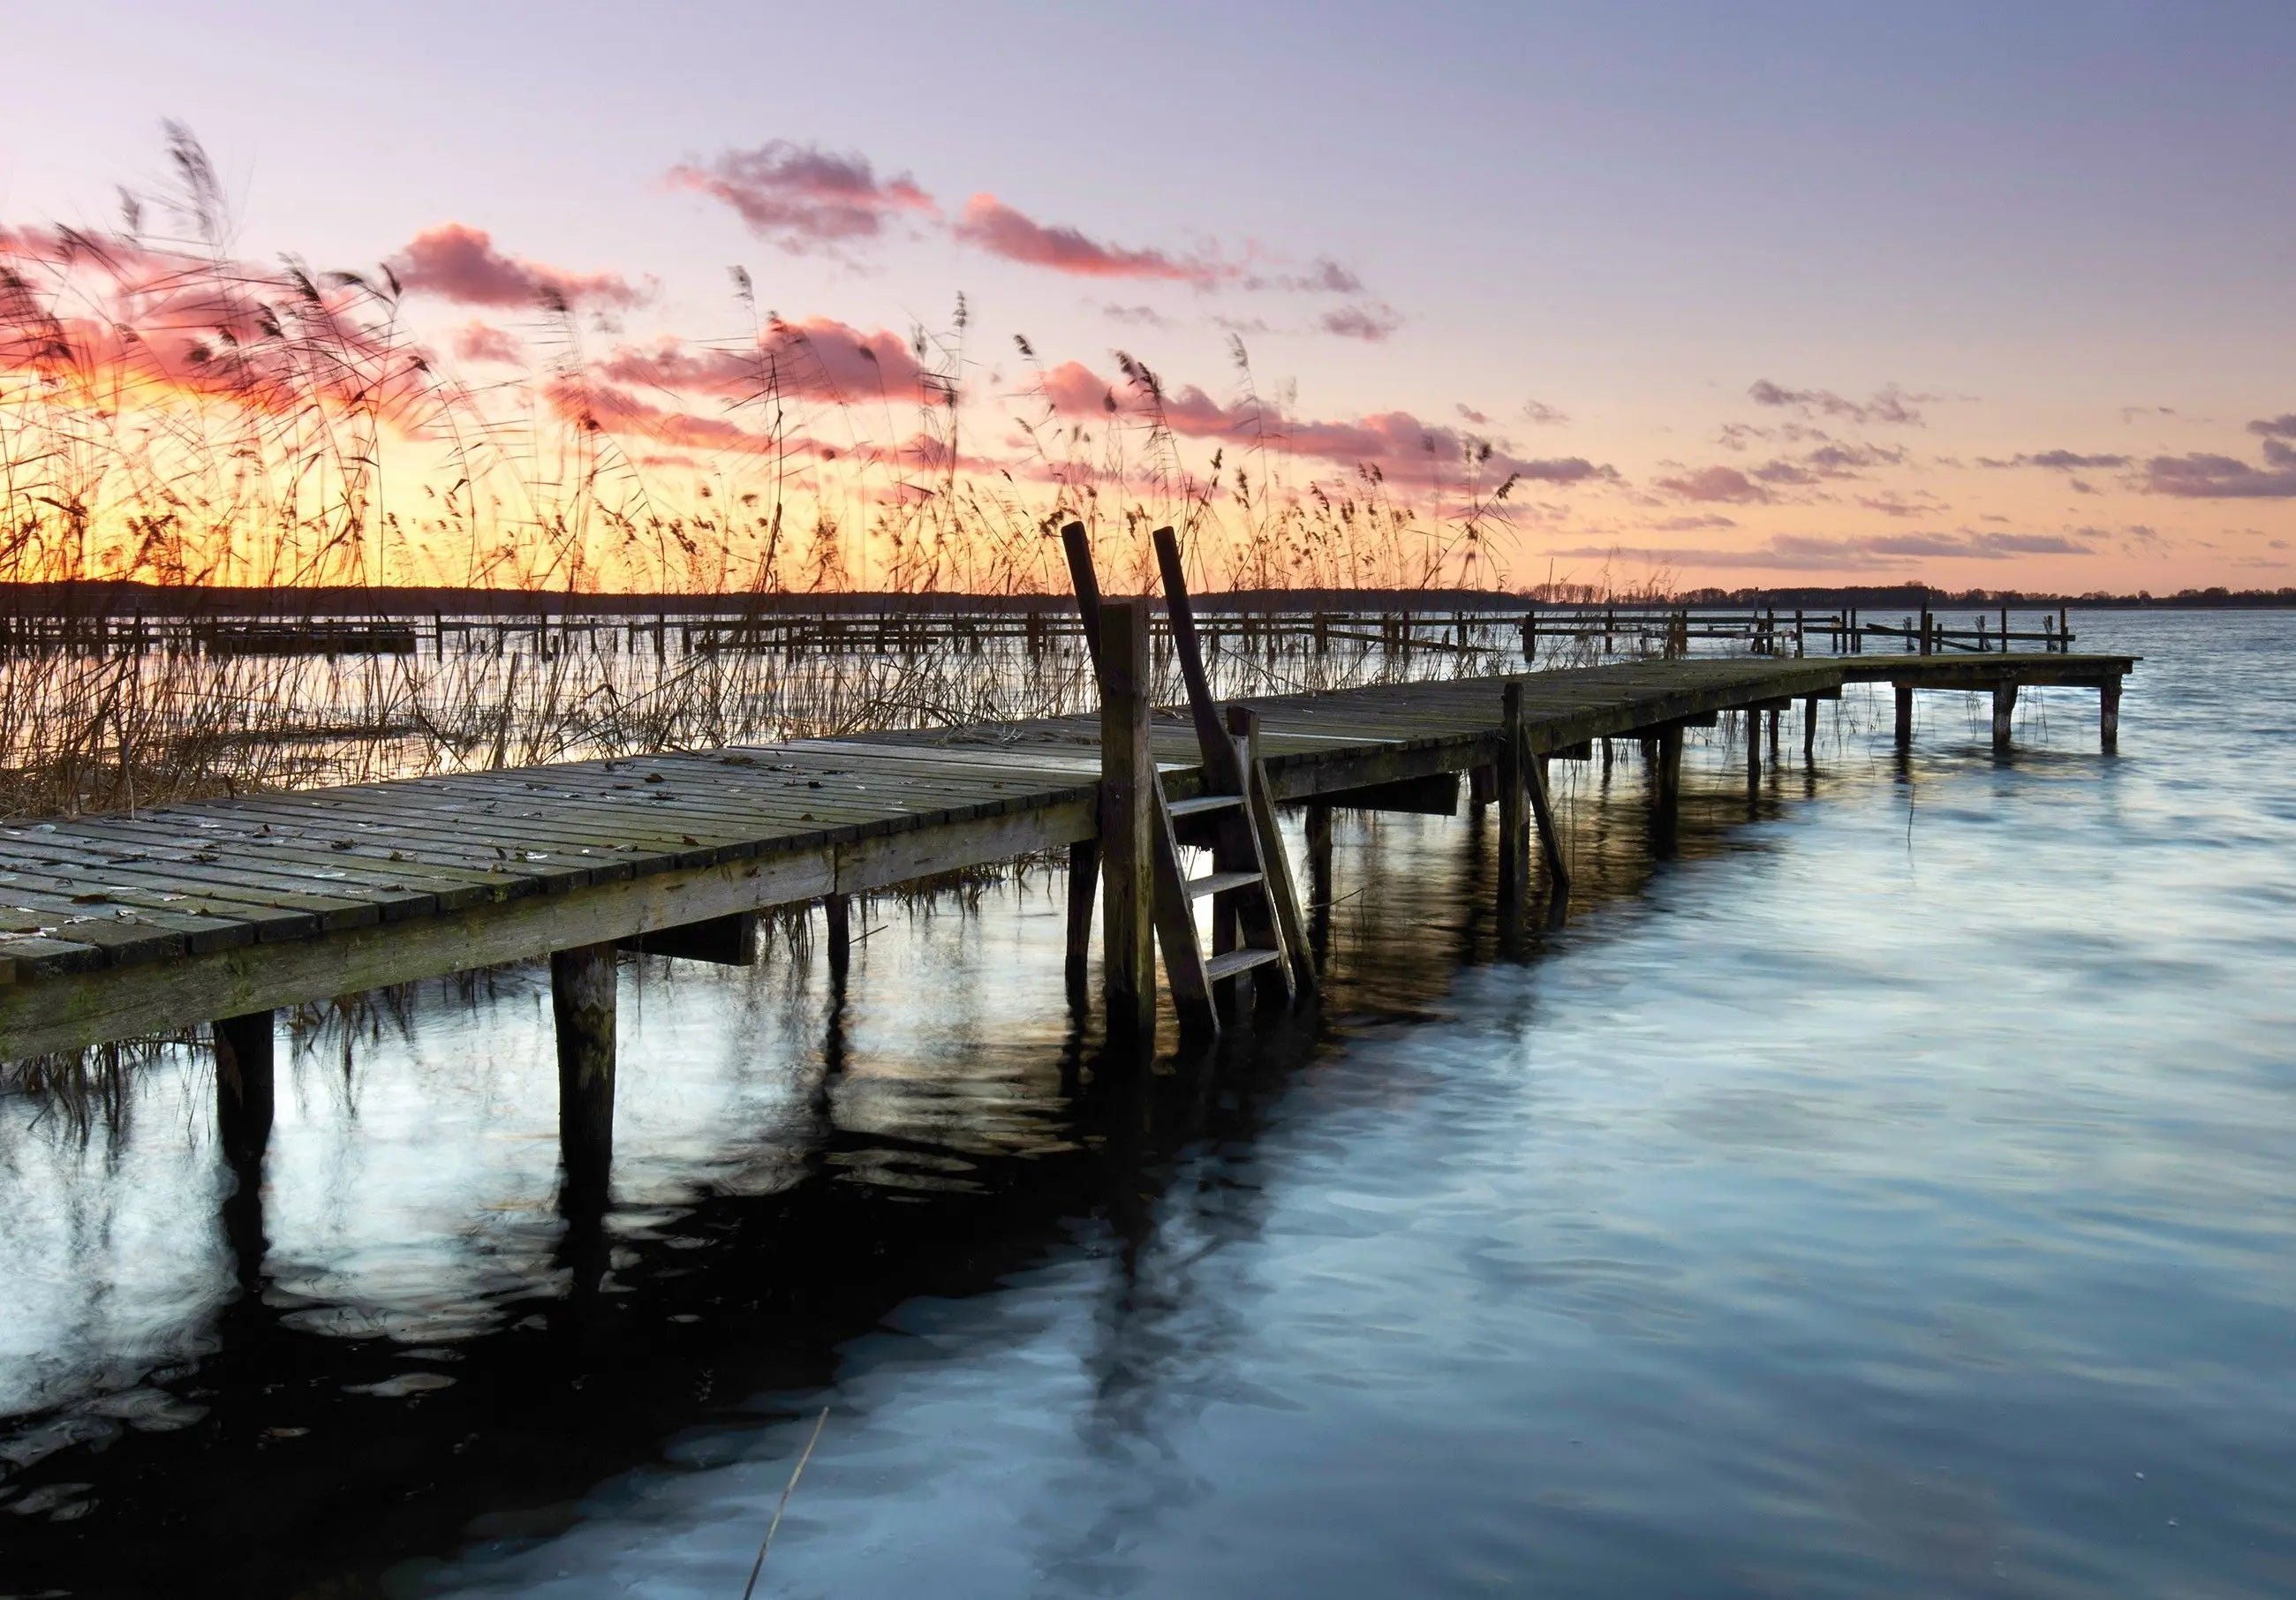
x,y
1853,1201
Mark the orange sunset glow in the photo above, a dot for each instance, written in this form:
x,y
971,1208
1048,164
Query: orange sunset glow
x,y
819,355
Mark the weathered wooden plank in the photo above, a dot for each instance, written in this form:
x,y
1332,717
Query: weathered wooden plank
x,y
42,1014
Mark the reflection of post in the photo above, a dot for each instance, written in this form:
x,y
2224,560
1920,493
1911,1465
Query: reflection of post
x,y
1515,831
243,1058
582,983
1753,749
2108,715
1084,880
1127,813
1808,728
1319,881
1905,716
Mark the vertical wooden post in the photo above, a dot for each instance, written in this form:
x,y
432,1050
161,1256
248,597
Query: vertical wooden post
x,y
1550,830
244,1101
1753,749
1905,716
1808,728
1666,789
2108,715
1127,814
837,912
2064,629
1084,881
1086,581
2004,702
1319,854
1777,716
1515,832
582,983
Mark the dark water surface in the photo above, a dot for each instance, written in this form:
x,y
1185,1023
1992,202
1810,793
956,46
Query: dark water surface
x,y
1893,1195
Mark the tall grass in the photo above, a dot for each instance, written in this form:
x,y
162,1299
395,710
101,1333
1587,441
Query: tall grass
x,y
171,413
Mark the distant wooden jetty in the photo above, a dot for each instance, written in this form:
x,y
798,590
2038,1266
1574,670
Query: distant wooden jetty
x,y
114,926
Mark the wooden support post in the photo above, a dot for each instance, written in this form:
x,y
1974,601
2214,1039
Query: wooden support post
x,y
1666,789
2108,715
1515,832
243,1058
1283,897
1753,749
1808,728
1086,581
1084,881
837,912
1550,830
1905,716
582,985
1127,819
2005,705
1777,715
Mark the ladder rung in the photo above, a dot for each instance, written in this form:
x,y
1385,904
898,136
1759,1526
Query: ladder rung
x,y
1203,803
1221,882
1229,964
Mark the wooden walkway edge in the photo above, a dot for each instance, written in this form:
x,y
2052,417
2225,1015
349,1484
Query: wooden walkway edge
x,y
115,926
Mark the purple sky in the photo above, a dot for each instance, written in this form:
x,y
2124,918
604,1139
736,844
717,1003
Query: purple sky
x,y
1791,273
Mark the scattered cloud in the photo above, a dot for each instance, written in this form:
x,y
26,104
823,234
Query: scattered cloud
x,y
1892,505
1694,524
2058,461
804,199
1140,317
2203,475
992,225
1371,323
1890,405
477,340
1324,276
1801,553
459,263
816,358
1715,483
1405,450
2129,413
1469,413
1538,414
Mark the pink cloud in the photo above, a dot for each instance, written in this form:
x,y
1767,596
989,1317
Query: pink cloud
x,y
802,198
461,264
1891,405
1370,324
816,358
1407,450
477,340
991,224
1727,484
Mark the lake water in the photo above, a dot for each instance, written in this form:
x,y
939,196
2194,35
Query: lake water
x,y
1890,1195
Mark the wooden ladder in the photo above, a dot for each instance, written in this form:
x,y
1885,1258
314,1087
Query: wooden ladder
x,y
1258,945
1259,955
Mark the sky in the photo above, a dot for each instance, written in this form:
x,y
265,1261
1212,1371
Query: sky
x,y
1979,295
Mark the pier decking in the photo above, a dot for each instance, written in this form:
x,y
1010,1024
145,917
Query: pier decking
x,y
112,926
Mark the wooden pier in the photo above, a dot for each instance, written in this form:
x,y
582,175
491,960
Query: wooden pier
x,y
115,926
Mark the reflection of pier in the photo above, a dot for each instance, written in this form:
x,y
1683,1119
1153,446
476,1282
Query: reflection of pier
x,y
113,926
